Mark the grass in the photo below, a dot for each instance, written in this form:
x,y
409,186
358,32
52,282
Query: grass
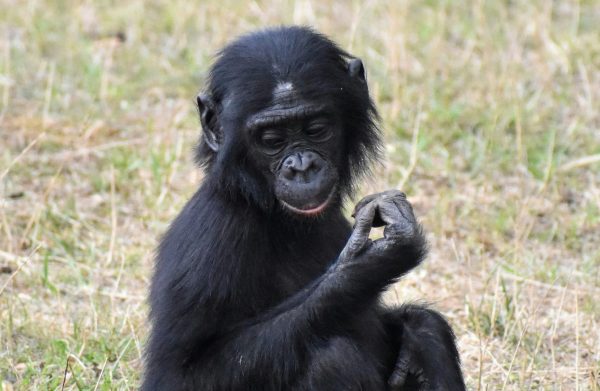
x,y
490,110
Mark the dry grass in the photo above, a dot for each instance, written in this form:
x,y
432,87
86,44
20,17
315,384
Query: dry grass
x,y
491,116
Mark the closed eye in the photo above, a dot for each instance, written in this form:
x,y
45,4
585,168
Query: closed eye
x,y
318,132
272,140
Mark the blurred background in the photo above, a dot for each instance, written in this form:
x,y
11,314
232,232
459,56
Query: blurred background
x,y
492,126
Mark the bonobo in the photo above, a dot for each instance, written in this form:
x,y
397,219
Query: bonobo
x,y
261,283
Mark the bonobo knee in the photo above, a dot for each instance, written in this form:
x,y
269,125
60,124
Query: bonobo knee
x,y
420,316
427,354
420,322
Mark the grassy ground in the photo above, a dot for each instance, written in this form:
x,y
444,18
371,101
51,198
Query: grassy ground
x,y
491,116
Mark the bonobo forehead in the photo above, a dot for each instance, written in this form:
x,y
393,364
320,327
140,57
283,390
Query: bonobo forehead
x,y
287,104
284,94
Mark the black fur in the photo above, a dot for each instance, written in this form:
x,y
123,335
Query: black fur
x,y
246,296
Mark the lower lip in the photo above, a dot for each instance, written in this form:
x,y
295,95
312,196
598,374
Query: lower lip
x,y
313,211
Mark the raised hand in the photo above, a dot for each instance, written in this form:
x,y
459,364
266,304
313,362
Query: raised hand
x,y
402,233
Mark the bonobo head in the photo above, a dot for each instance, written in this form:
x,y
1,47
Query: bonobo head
x,y
287,121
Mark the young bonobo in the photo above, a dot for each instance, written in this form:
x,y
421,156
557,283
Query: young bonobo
x,y
261,283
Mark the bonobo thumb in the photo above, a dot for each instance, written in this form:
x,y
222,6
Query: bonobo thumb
x,y
361,231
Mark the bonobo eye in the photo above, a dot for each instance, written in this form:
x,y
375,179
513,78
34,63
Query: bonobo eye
x,y
318,131
272,141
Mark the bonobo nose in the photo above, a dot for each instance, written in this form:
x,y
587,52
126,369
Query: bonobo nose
x,y
302,166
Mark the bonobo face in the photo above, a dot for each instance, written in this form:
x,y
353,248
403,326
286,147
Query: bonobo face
x,y
287,122
293,143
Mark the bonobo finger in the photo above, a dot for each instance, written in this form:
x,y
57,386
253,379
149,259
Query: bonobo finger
x,y
360,232
401,370
388,211
394,193
364,201
363,221
405,209
397,380
377,221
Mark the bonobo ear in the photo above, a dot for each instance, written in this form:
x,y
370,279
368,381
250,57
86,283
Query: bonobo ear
x,y
356,69
208,119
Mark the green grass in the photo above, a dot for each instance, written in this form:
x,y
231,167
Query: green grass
x,y
491,117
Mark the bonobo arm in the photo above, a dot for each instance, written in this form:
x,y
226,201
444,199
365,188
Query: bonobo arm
x,y
272,348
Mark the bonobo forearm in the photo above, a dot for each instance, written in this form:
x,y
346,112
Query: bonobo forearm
x,y
323,308
275,347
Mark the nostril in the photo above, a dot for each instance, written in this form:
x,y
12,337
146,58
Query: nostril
x,y
288,172
315,165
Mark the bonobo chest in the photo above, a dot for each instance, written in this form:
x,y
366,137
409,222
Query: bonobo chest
x,y
303,259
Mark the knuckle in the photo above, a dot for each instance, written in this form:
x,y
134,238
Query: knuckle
x,y
396,193
353,247
403,202
400,232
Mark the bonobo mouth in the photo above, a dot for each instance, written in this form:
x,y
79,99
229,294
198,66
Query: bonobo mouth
x,y
310,209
